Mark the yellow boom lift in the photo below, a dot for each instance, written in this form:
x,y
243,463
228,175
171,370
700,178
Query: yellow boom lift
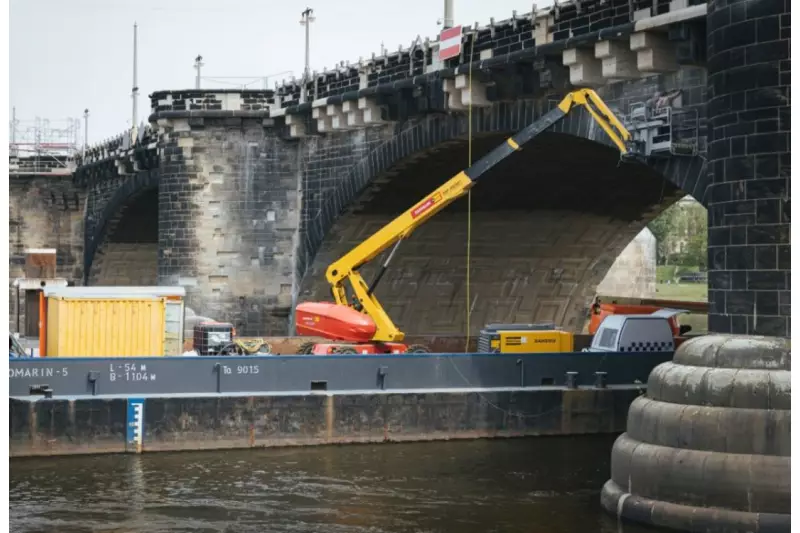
x,y
361,325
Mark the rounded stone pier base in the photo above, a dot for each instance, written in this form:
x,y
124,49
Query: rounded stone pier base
x,y
708,447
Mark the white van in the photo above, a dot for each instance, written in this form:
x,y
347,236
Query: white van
x,y
636,333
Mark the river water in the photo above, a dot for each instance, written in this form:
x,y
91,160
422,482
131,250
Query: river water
x,y
549,484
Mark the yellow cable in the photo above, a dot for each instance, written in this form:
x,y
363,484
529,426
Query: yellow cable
x,y
469,192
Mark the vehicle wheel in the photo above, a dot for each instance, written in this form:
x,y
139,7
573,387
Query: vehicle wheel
x,y
345,350
418,348
231,349
307,348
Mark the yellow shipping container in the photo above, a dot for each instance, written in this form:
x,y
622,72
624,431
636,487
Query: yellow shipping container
x,y
113,321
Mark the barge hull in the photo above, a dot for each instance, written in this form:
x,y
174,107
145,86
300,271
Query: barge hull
x,y
48,427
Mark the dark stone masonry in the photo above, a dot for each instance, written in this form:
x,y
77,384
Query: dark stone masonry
x,y
749,165
258,191
230,213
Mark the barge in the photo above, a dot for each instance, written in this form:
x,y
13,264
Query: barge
x,y
66,405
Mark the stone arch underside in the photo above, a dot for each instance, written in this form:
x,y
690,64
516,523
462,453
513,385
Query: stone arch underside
x,y
126,249
547,223
416,137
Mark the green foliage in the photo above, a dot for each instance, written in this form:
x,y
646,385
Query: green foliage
x,y
662,227
681,232
696,251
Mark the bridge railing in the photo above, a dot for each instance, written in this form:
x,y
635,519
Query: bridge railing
x,y
38,165
140,137
550,24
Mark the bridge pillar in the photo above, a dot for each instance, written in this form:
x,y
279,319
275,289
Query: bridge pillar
x,y
708,447
749,162
228,217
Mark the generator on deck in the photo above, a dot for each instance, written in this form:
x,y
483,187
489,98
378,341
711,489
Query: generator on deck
x,y
524,338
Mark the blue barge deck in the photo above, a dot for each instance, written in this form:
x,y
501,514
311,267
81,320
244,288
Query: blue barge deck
x,y
142,404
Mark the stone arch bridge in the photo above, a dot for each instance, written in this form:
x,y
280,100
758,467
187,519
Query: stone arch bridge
x,y
244,197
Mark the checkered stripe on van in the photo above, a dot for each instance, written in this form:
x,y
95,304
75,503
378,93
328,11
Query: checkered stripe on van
x,y
648,346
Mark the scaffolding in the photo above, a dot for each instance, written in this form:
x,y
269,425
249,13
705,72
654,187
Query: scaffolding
x,y
42,146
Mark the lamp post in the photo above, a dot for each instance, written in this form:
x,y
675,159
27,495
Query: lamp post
x,y
198,62
135,91
448,14
85,131
306,20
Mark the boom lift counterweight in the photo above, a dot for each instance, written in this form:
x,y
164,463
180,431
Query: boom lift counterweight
x,y
364,321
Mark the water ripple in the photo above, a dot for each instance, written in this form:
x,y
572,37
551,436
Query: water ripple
x,y
520,485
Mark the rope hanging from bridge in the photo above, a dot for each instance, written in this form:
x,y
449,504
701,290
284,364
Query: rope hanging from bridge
x,y
469,192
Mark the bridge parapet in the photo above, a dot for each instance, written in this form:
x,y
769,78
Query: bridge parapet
x,y
41,165
144,135
125,154
222,100
579,43
587,43
573,23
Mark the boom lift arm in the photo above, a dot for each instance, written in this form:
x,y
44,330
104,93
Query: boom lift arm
x,y
346,268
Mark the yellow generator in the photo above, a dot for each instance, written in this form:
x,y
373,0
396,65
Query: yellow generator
x,y
524,338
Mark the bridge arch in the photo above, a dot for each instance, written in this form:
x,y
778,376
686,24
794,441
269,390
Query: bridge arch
x,y
594,221
122,243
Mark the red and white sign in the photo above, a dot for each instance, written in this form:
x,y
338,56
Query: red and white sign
x,y
425,205
450,43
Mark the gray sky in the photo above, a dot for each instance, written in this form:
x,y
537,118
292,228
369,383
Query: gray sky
x,y
67,55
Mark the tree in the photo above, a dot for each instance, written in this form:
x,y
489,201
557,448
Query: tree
x,y
681,233
696,249
697,236
663,229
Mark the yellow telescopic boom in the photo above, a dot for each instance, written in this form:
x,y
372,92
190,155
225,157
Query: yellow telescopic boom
x,y
346,268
